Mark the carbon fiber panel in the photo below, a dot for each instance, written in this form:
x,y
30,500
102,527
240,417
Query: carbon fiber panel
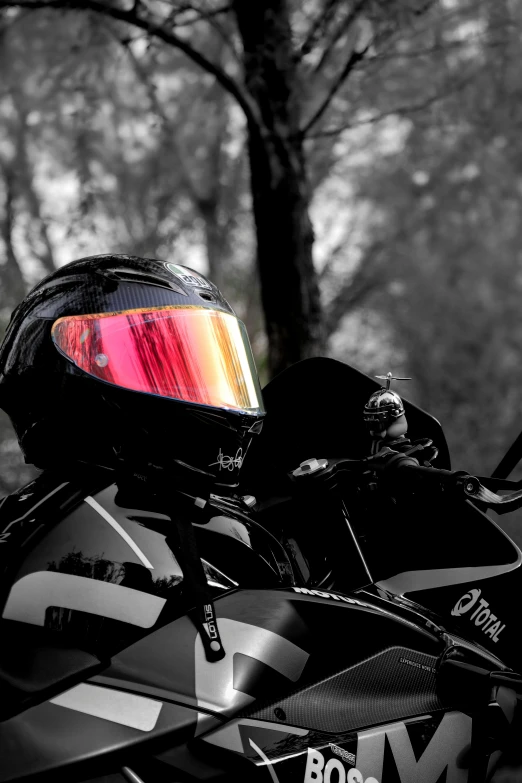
x,y
394,684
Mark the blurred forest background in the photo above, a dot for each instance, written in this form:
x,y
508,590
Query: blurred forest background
x,y
394,125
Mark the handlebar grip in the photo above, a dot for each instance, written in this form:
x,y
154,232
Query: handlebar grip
x,y
458,478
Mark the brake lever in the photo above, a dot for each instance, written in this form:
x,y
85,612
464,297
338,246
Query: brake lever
x,y
484,495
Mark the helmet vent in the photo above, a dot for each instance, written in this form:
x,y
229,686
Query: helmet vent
x,y
136,276
207,297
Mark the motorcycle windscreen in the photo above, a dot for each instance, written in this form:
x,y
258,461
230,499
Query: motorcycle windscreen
x,y
315,409
194,354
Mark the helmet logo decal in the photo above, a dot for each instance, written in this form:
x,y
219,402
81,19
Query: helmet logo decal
x,y
228,463
187,276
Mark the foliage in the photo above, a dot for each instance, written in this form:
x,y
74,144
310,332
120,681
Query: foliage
x,y
115,138
450,218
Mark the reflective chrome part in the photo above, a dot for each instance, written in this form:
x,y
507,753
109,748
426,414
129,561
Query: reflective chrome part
x,y
216,578
310,466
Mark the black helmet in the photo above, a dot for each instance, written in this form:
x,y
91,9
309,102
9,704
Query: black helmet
x,y
383,407
114,355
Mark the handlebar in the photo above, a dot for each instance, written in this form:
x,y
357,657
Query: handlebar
x,y
471,486
391,462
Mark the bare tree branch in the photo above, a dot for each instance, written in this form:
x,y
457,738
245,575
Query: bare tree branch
x,y
167,128
369,275
401,110
198,14
156,29
342,29
320,23
350,64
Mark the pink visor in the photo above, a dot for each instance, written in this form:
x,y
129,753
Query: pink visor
x,y
190,353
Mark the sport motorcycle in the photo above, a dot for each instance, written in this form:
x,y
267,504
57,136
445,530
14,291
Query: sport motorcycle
x,y
358,621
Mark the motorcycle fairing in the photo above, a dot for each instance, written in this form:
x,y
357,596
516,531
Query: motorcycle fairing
x,y
315,409
487,612
422,545
52,740
280,645
423,748
78,558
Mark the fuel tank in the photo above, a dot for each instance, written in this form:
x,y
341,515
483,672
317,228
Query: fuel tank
x,y
312,683
85,557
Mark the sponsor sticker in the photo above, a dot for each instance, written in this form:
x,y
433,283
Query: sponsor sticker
x,y
318,770
344,754
481,615
417,665
187,276
389,749
323,594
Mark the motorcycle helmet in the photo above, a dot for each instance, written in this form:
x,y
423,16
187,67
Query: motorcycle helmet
x,y
115,355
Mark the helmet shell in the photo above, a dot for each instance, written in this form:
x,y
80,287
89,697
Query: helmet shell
x,y
383,408
60,413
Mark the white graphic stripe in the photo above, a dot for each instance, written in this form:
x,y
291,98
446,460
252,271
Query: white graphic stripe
x,y
31,596
118,528
411,581
215,681
266,760
127,709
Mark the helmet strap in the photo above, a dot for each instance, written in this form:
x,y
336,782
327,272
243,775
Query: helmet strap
x,y
182,541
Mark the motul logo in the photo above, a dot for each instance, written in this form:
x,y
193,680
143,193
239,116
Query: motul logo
x,y
323,594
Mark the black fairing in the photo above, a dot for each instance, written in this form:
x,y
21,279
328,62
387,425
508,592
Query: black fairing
x,y
289,664
55,526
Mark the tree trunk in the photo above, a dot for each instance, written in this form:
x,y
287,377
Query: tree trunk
x,y
280,192
13,283
215,240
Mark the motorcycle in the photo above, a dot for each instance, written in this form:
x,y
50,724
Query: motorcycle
x,y
359,613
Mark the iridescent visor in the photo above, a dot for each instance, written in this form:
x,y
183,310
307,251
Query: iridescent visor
x,y
187,353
